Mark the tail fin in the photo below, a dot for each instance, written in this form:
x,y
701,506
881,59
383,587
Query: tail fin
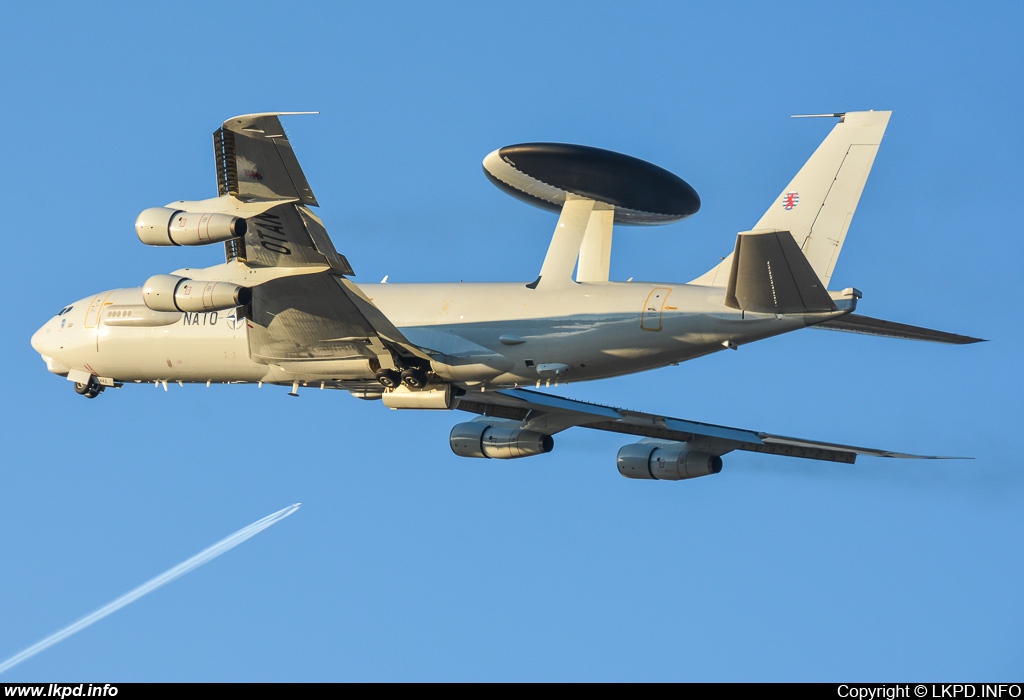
x,y
818,204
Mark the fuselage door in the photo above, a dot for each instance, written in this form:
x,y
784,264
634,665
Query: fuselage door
x,y
92,314
650,319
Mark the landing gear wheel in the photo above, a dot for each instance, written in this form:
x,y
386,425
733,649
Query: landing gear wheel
x,y
414,378
89,390
389,378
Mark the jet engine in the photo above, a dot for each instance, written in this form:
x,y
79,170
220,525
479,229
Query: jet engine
x,y
173,293
165,226
477,439
665,460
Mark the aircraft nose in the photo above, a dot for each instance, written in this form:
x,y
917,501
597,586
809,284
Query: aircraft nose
x,y
47,344
38,341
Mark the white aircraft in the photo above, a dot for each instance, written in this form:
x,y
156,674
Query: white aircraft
x,y
282,309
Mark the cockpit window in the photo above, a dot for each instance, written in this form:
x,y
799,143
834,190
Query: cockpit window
x,y
64,310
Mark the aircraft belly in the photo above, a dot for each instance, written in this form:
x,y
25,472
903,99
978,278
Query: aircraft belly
x,y
746,328
598,330
593,346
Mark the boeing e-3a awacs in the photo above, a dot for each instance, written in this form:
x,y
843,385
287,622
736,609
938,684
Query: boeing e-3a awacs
x,y
283,310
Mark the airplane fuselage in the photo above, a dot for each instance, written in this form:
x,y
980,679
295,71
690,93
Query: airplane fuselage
x,y
282,309
477,335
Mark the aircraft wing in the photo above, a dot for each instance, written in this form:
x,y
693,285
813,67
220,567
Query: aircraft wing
x,y
257,167
550,414
308,310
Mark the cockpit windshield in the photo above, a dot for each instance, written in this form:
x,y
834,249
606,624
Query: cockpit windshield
x,y
64,310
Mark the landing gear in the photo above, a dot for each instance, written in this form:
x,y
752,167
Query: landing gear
x,y
414,378
411,372
389,378
89,390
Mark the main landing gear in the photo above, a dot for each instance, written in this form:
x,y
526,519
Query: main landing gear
x,y
412,377
389,378
90,389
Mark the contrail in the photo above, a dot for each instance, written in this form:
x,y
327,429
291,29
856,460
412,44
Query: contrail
x,y
208,554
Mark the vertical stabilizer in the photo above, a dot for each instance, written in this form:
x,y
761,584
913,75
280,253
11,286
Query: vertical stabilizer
x,y
818,204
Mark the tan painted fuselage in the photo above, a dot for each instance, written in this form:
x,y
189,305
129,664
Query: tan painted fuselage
x,y
477,335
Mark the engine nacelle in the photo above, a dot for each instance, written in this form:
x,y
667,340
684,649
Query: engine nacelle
x,y
173,293
652,460
165,226
477,439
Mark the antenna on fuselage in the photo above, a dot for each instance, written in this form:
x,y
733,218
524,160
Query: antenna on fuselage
x,y
592,189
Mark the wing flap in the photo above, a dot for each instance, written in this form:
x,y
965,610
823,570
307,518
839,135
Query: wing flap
x,y
804,452
322,242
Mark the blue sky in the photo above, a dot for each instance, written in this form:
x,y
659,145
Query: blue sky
x,y
408,563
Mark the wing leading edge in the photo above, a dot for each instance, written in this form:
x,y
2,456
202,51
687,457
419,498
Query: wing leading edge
x,y
549,414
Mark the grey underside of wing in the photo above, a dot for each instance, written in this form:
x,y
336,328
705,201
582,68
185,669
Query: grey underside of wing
x,y
539,411
255,160
290,235
256,163
319,316
307,317
316,315
313,312
855,323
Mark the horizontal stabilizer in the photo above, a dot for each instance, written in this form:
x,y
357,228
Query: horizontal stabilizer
x,y
854,323
770,275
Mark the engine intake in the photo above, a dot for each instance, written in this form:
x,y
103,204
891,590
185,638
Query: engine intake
x,y
477,439
173,293
652,460
162,226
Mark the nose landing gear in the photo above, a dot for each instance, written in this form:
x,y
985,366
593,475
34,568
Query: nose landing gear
x,y
90,389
